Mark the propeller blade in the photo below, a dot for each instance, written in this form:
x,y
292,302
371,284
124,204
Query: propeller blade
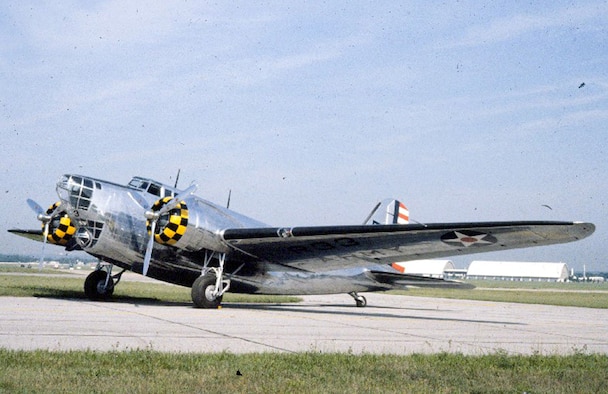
x,y
190,190
148,255
46,219
41,213
45,234
55,212
154,216
35,206
177,199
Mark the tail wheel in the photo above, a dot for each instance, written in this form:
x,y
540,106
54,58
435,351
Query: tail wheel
x,y
95,287
202,292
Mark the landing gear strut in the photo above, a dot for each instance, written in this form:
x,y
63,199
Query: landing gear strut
x,y
209,288
359,299
99,285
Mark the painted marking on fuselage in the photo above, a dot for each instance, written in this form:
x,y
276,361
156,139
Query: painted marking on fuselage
x,y
316,246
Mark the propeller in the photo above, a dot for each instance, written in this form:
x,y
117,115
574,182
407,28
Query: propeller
x,y
45,218
153,217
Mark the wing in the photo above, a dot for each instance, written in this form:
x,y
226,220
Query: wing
x,y
35,235
339,247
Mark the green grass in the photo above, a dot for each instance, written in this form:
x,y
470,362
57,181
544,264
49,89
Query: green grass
x,y
62,287
536,285
154,372
588,295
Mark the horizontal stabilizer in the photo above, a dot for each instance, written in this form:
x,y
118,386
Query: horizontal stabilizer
x,y
406,280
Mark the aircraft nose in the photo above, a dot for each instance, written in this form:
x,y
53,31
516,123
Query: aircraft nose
x,y
76,191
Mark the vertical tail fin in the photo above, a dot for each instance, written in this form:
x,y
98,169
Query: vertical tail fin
x,y
389,211
397,213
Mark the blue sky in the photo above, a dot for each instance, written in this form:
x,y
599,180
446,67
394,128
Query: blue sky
x,y
312,112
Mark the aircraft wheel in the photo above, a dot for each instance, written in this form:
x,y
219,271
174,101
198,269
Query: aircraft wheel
x,y
95,286
361,301
202,292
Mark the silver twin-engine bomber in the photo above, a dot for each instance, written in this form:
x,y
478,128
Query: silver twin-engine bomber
x,y
174,236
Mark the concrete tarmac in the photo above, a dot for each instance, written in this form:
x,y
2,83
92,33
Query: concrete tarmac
x,y
389,324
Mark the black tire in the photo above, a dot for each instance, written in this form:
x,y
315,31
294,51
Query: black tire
x,y
361,302
94,286
202,288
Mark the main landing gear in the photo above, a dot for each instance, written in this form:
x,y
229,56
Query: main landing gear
x,y
99,285
209,288
359,299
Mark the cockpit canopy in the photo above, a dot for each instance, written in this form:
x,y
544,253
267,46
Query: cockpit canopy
x,y
152,187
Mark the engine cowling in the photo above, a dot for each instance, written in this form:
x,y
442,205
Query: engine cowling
x,y
172,225
190,225
61,229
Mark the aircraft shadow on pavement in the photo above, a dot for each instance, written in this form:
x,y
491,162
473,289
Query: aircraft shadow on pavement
x,y
369,311
79,296
349,309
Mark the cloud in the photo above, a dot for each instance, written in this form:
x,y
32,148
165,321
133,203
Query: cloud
x,y
508,28
65,25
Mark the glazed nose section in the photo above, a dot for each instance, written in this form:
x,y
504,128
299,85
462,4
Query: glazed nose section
x,y
77,191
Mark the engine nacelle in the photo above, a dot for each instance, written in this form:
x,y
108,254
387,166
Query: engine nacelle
x,y
188,226
61,228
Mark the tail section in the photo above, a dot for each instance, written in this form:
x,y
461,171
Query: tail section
x,y
389,211
397,213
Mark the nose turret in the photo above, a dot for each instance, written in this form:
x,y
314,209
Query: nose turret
x,y
77,191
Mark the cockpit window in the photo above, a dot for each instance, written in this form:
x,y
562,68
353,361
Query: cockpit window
x,y
154,189
138,184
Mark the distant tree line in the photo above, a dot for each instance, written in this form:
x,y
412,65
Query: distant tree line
x,y
21,258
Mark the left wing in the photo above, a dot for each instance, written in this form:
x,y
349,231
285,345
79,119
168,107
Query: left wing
x,y
38,235
35,235
337,247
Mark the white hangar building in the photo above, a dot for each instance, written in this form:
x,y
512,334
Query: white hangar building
x,y
430,268
516,270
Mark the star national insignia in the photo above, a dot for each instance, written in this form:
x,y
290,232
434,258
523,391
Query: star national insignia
x,y
468,238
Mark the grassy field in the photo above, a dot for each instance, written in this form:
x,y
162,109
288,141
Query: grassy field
x,y
588,295
154,372
30,284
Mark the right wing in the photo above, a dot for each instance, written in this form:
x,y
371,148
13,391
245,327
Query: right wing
x,y
338,247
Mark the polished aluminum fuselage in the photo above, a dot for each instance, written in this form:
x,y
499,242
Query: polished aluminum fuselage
x,y
111,225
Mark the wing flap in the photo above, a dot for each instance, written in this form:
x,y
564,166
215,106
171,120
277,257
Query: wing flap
x,y
335,247
405,280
